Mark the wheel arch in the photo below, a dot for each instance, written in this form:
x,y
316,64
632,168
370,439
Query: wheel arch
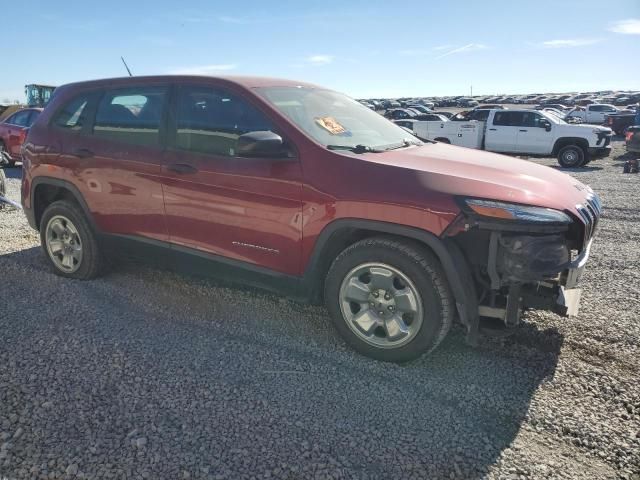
x,y
46,190
562,142
341,233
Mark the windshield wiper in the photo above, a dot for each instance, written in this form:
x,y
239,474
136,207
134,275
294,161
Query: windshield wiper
x,y
403,144
354,149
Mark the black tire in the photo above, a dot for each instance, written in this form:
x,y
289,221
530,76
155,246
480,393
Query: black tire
x,y
91,262
3,187
571,156
423,270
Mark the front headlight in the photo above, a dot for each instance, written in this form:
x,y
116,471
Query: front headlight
x,y
512,211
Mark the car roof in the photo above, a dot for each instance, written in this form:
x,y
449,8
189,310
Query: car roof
x,y
244,81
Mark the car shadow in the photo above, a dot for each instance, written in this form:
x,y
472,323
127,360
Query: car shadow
x,y
448,415
588,168
627,156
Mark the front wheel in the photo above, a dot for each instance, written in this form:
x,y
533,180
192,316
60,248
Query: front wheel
x,y
389,299
571,156
69,242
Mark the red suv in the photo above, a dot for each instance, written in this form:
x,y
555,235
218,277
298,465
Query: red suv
x,y
302,190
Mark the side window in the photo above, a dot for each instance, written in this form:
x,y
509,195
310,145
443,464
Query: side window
x,y
517,119
210,120
20,118
73,115
501,118
531,119
131,115
596,108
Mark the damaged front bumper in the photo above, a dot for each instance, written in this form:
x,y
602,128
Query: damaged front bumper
x,y
516,266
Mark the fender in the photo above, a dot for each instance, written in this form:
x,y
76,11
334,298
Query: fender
x,y
56,182
564,141
452,261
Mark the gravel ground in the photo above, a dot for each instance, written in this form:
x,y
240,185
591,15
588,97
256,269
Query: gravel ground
x,y
148,374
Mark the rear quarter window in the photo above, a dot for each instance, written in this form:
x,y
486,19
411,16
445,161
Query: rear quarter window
x,y
72,116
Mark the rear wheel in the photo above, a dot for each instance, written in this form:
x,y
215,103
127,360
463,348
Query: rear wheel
x,y
571,156
388,299
69,242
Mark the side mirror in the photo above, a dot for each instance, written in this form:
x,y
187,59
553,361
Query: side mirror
x,y
546,125
262,143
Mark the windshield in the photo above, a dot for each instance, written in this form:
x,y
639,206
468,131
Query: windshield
x,y
333,119
553,117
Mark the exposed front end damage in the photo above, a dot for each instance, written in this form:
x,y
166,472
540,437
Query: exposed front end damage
x,y
520,264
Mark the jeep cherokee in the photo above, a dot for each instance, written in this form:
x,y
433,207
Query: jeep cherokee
x,y
302,190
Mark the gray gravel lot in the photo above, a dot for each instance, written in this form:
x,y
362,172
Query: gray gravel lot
x,y
149,374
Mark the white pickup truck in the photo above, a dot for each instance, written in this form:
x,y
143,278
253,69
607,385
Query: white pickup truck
x,y
523,132
594,113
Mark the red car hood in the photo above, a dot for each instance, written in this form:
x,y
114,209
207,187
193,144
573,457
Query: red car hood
x,y
476,173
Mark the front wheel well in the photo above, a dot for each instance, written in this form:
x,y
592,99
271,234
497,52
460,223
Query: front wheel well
x,y
566,141
339,241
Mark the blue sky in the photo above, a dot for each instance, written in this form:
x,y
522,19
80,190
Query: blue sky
x,y
363,48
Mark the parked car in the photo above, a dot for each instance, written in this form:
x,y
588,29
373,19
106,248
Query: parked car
x,y
13,132
618,122
632,139
557,106
445,114
594,113
302,190
419,108
524,132
489,107
399,114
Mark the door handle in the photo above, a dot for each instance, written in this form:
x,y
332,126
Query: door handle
x,y
181,168
523,130
493,129
82,153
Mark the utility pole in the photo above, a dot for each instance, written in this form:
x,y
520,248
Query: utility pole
x,y
472,91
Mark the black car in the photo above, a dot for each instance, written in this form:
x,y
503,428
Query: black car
x,y
399,114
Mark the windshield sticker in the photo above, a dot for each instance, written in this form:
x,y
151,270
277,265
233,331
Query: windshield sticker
x,y
331,125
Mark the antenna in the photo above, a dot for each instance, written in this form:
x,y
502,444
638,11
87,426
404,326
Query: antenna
x,y
126,66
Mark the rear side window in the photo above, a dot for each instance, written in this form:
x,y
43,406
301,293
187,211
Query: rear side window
x,y
210,120
20,118
131,116
73,115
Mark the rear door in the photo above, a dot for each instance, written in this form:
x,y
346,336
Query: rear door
x,y
116,158
502,131
244,209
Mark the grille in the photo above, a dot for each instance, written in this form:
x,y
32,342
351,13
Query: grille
x,y
590,213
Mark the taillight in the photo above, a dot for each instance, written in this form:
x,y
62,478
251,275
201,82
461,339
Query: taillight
x,y
628,136
23,135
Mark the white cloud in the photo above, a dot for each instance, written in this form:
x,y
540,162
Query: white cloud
x,y
442,47
470,47
418,52
630,26
204,69
319,60
570,42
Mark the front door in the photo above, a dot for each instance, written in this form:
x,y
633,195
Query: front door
x,y
533,138
244,209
